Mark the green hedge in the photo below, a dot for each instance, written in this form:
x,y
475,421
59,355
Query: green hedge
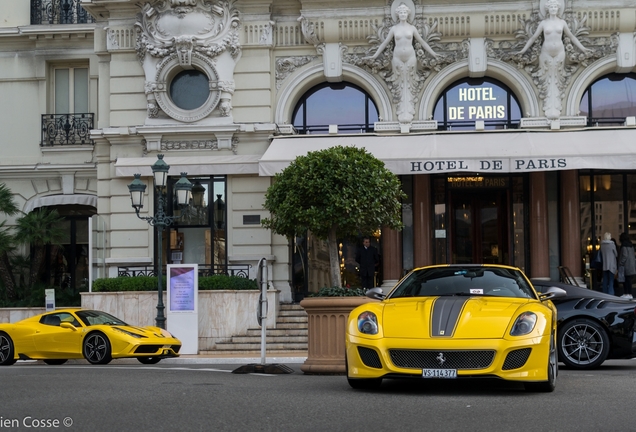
x,y
338,292
149,283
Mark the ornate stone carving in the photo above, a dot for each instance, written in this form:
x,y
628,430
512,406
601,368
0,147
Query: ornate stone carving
x,y
177,35
403,65
552,62
287,65
308,32
267,35
204,144
189,145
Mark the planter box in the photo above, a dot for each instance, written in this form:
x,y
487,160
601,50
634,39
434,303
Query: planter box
x,y
327,318
222,313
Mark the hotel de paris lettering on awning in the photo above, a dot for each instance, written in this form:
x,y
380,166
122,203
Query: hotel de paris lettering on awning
x,y
491,152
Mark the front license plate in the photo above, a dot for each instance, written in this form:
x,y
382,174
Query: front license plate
x,y
439,373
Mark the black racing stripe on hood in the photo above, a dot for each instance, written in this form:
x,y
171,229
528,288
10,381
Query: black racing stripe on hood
x,y
446,311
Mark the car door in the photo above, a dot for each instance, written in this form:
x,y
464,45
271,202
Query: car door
x,y
53,341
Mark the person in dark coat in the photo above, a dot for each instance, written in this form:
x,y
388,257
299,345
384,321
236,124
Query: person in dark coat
x,y
627,260
368,260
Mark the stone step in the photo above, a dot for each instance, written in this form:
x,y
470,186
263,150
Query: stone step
x,y
288,306
293,325
290,334
293,331
292,312
241,347
257,352
268,339
291,319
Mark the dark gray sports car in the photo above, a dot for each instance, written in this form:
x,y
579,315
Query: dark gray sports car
x,y
592,326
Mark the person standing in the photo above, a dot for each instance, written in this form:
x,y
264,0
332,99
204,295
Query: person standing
x,y
627,260
609,254
368,260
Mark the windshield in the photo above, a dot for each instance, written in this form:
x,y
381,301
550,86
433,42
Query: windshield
x,y
465,281
90,318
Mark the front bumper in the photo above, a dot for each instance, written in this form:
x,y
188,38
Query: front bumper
x,y
515,360
160,347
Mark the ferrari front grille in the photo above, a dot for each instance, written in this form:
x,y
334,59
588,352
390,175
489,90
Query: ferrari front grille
x,y
369,357
431,359
148,349
516,359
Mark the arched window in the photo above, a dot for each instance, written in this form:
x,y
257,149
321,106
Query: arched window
x,y
610,99
471,99
343,104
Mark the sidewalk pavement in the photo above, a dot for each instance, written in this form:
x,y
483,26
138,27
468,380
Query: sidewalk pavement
x,y
207,357
214,358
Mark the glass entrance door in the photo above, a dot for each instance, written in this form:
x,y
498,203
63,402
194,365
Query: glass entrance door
x,y
479,227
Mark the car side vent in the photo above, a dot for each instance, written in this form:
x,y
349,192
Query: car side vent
x,y
516,359
369,357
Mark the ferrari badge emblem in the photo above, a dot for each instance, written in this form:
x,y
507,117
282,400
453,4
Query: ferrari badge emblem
x,y
441,359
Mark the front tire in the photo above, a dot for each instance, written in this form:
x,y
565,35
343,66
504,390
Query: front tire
x,y
553,371
362,383
55,362
583,344
149,360
6,350
96,349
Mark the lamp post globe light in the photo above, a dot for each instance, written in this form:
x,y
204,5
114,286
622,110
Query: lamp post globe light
x,y
183,191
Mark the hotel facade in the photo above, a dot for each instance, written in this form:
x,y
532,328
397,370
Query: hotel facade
x,y
511,126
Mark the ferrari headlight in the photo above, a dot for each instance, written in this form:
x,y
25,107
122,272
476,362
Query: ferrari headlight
x,y
166,333
368,323
135,335
524,324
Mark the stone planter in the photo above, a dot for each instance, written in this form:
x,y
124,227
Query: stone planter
x,y
327,318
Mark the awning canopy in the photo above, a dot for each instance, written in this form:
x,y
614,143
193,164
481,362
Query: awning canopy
x,y
193,165
482,152
56,200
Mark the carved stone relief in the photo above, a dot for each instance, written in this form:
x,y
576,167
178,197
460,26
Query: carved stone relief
x,y
204,144
407,48
404,64
179,35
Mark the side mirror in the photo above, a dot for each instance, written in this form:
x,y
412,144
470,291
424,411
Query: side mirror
x,y
375,293
553,293
68,325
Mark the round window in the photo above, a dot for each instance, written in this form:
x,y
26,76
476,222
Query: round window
x,y
189,89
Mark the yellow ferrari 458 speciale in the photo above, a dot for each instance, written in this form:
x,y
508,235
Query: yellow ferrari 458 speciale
x,y
55,337
456,321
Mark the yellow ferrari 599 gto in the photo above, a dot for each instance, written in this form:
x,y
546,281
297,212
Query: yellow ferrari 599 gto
x,y
456,321
55,337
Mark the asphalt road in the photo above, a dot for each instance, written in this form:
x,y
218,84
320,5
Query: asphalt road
x,y
200,397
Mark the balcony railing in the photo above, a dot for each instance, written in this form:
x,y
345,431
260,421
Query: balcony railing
x,y
59,12
240,270
66,129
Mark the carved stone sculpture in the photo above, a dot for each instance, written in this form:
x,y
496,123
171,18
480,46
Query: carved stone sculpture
x,y
404,62
551,72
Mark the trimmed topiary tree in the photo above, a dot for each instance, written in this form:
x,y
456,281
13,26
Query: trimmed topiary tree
x,y
340,191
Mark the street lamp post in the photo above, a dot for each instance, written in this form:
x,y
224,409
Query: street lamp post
x,y
183,190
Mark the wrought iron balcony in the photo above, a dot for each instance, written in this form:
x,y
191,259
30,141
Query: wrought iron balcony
x,y
59,12
66,129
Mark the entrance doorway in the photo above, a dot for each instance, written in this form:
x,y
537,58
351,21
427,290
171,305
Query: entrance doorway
x,y
479,226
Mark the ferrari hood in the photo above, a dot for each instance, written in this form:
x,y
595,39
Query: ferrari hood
x,y
450,317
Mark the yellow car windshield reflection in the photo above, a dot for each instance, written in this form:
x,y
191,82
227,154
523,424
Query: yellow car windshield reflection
x,y
464,281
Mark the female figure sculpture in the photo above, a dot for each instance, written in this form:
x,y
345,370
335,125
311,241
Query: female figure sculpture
x,y
404,62
552,57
